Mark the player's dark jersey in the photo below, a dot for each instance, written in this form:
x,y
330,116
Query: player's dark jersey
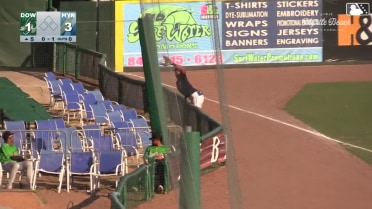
x,y
184,86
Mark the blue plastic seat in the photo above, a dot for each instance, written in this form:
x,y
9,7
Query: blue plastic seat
x,y
99,114
58,122
97,94
44,134
65,81
52,163
142,130
70,139
121,126
107,104
73,106
79,163
129,144
55,93
66,88
115,116
110,163
104,142
129,114
45,125
87,100
49,76
91,131
78,87
118,107
96,139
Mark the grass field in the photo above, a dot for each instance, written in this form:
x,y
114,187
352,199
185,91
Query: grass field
x,y
339,110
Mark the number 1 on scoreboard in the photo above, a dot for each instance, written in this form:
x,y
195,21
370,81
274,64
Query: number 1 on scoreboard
x,y
28,24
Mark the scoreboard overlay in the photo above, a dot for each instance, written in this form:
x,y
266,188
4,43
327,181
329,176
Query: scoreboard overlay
x,y
48,26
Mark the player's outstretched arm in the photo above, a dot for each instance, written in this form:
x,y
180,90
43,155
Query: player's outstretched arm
x,y
167,61
179,68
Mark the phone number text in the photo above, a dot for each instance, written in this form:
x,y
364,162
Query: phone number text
x,y
204,59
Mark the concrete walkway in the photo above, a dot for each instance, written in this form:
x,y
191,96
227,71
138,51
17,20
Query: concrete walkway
x,y
19,199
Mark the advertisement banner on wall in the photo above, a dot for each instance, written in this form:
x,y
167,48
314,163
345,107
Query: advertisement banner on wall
x,y
271,32
182,30
347,31
354,30
249,32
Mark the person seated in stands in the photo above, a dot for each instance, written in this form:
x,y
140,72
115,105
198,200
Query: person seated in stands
x,y
12,162
158,152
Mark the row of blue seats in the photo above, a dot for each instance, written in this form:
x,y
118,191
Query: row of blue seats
x,y
98,156
61,150
90,137
90,106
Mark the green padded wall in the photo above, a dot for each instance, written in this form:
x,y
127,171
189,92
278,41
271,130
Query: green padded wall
x,y
88,14
12,52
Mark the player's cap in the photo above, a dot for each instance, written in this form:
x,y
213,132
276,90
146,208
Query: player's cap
x,y
156,135
6,134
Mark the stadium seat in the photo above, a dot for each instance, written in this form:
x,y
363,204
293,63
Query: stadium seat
x,y
80,164
129,144
109,163
78,86
142,130
114,117
52,163
73,106
99,114
49,76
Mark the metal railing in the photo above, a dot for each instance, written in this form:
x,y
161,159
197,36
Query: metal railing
x,y
134,188
82,64
90,66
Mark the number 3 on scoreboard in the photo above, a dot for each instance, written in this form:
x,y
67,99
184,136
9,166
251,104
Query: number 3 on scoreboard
x,y
68,26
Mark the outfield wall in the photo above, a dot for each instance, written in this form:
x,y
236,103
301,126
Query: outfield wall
x,y
248,32
12,52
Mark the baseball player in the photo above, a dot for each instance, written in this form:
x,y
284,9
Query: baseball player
x,y
184,86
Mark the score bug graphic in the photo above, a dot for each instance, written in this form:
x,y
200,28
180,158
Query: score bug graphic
x,y
48,26
28,24
68,24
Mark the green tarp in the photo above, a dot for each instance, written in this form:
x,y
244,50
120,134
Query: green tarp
x,y
17,105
